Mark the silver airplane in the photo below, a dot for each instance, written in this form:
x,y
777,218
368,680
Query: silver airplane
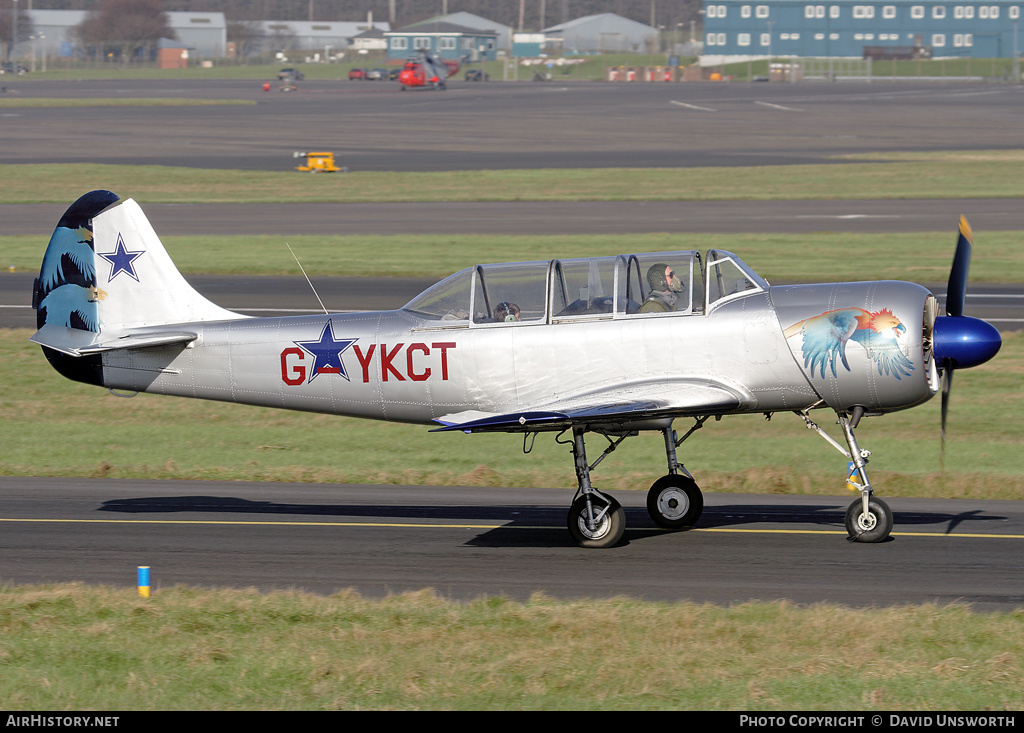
x,y
609,345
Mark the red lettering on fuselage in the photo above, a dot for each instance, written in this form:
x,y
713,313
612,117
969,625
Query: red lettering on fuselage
x,y
364,360
386,366
420,362
293,374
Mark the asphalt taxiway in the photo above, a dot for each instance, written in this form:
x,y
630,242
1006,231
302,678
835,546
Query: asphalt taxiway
x,y
465,542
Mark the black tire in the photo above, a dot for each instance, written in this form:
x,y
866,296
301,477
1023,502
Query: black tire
x,y
874,526
675,501
609,530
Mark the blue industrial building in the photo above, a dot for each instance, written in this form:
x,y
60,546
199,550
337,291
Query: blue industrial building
x,y
746,28
443,40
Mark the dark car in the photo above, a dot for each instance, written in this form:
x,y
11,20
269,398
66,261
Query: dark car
x,y
12,68
357,74
476,75
393,72
290,73
378,74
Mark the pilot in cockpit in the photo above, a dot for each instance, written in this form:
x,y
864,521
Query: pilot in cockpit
x,y
506,311
665,289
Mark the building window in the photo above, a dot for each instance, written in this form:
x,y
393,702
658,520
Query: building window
x,y
745,11
864,11
399,44
421,43
889,12
939,11
1014,12
917,12
766,39
938,40
762,11
446,44
743,39
833,11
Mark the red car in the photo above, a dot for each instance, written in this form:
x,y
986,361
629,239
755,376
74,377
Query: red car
x,y
357,74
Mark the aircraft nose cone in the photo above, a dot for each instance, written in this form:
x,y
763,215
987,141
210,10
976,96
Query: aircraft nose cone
x,y
964,342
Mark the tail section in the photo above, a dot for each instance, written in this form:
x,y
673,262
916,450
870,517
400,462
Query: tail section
x,y
107,283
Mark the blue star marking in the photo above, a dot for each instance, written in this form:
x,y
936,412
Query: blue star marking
x,y
121,260
326,353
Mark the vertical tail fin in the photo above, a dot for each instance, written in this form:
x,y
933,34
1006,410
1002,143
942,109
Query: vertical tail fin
x,y
106,273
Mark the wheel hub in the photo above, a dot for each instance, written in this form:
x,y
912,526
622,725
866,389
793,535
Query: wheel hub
x,y
673,503
598,532
866,521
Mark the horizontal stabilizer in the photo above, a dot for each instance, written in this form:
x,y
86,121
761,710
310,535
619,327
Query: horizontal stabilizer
x,y
76,342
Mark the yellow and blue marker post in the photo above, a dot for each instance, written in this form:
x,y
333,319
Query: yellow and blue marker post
x,y
143,581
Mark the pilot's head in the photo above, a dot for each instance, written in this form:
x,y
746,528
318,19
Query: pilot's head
x,y
663,277
506,311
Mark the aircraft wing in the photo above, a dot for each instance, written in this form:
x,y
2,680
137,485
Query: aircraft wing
x,y
76,342
632,403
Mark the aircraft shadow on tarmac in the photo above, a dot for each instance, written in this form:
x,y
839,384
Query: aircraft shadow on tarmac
x,y
529,525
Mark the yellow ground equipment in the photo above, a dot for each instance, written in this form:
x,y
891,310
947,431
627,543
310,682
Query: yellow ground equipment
x,y
318,162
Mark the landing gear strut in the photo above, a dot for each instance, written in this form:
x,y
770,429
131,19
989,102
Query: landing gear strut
x,y
868,519
675,501
597,520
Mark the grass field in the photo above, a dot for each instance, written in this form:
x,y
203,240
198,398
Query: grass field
x,y
80,648
152,436
981,174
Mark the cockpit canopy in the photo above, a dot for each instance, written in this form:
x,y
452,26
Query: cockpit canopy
x,y
653,284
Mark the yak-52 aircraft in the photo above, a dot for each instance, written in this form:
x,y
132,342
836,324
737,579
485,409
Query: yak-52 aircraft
x,y
608,345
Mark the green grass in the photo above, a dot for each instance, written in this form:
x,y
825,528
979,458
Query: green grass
x,y
153,436
920,257
998,174
72,647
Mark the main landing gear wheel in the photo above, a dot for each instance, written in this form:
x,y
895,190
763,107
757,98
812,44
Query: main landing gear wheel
x,y
608,530
675,501
872,526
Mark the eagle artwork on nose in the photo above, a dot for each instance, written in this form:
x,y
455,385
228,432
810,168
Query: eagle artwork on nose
x,y
825,337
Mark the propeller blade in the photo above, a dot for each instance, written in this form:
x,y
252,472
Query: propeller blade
x,y
956,290
947,384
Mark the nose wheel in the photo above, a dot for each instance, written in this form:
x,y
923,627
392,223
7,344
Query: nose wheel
x,y
870,524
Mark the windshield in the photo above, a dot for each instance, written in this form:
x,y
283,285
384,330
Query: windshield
x,y
448,300
729,277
